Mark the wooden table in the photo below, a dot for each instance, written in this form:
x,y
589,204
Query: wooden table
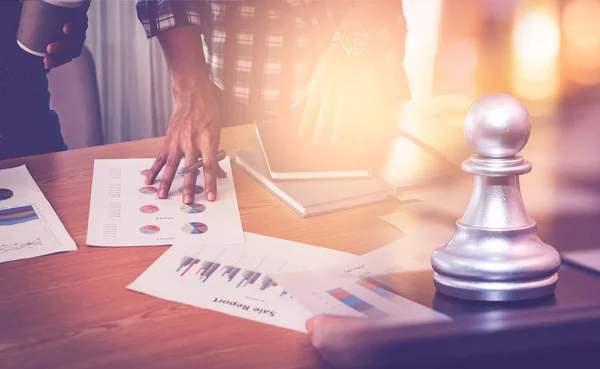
x,y
72,310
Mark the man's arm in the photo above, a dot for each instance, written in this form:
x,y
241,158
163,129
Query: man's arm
x,y
194,129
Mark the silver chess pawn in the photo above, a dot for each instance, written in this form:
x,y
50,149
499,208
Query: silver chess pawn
x,y
495,253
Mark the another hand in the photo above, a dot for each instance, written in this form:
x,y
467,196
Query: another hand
x,y
194,132
352,96
340,341
71,45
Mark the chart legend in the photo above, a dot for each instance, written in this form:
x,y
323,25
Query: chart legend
x,y
356,303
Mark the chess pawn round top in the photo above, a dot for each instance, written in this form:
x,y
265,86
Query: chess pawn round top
x,y
497,126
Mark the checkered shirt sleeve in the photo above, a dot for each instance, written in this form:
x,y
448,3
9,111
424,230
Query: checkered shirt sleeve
x,y
158,16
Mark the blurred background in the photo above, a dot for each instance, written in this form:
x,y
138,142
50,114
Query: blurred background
x,y
541,51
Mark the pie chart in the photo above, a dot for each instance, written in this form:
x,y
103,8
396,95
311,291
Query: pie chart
x,y
148,190
192,208
194,228
5,194
149,209
197,189
149,229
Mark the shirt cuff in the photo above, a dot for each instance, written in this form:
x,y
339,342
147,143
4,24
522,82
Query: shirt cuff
x,y
158,16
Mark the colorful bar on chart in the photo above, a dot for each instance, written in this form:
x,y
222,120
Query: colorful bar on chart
x,y
267,282
380,288
249,278
187,262
356,303
230,271
207,269
18,215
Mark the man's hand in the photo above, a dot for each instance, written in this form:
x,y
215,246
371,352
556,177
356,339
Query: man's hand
x,y
194,129
354,96
193,133
341,341
71,45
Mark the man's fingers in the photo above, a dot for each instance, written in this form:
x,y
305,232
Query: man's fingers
x,y
338,120
54,61
159,163
325,116
209,167
64,47
75,28
169,173
309,116
189,180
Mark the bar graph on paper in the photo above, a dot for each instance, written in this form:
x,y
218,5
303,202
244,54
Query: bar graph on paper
x,y
356,303
213,272
381,289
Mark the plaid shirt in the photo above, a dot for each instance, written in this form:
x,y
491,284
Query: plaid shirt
x,y
282,37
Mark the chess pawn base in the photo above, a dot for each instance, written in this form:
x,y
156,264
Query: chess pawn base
x,y
495,265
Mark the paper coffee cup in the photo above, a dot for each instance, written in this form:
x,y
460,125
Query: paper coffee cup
x,y
42,23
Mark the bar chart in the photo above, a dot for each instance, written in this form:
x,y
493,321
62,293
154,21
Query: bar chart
x,y
355,303
381,289
205,271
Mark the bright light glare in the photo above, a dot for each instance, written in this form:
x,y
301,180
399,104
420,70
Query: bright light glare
x,y
536,38
536,42
582,34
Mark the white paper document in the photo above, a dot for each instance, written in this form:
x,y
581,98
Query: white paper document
x,y
370,296
235,279
29,226
367,285
126,212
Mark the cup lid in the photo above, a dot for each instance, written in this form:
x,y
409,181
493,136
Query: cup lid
x,y
65,3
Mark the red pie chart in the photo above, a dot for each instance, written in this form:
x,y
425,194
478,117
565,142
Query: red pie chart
x,y
148,190
149,209
149,229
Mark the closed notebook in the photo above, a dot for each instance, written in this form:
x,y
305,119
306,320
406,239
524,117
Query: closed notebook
x,y
314,197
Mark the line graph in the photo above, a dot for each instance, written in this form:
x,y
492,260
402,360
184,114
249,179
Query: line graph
x,y
6,247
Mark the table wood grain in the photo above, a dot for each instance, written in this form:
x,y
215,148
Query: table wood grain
x,y
72,310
